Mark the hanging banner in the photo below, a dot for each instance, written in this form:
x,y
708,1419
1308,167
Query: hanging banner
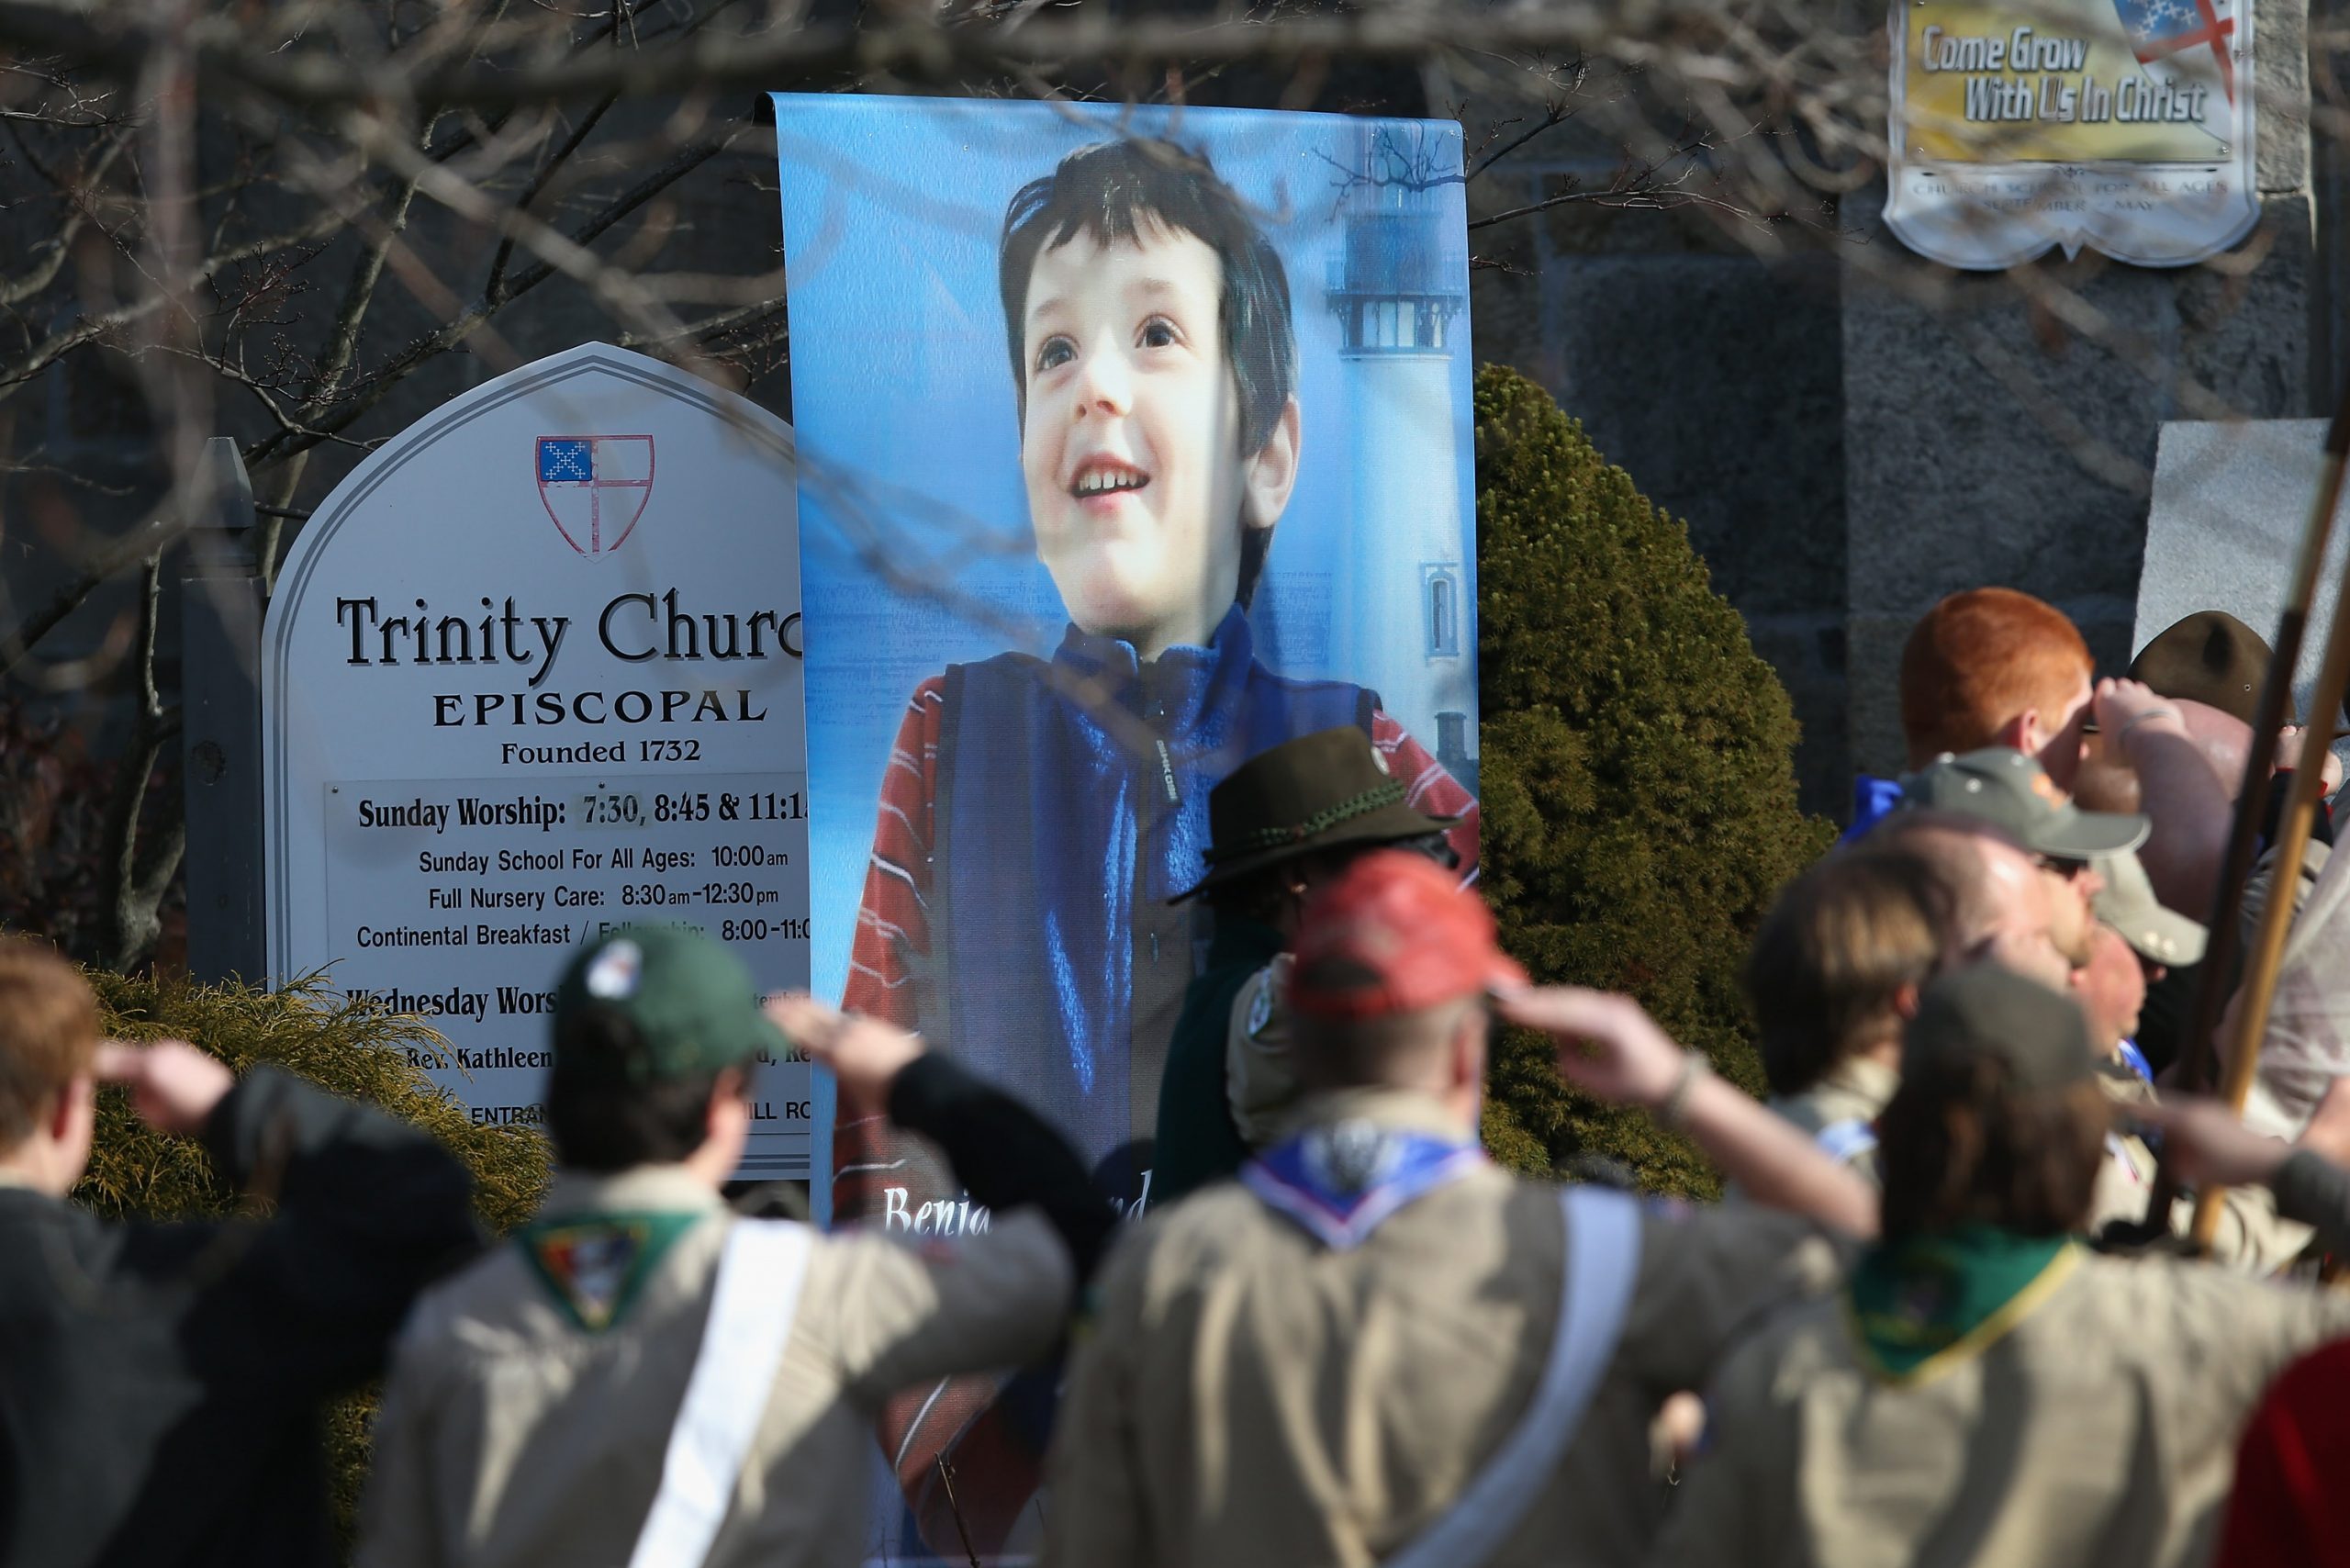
x,y
1133,442
2122,126
531,673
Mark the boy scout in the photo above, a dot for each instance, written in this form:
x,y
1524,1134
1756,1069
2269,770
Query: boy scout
x,y
1282,823
1379,1348
1835,970
638,1365
160,1384
1985,1391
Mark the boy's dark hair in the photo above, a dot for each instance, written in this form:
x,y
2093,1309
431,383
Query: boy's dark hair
x,y
1960,1145
1111,191
602,1126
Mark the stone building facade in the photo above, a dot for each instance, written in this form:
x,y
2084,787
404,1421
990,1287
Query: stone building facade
x,y
1852,433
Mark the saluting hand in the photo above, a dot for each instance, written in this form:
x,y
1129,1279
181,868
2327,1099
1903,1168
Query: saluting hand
x,y
864,1053
1607,1046
174,1087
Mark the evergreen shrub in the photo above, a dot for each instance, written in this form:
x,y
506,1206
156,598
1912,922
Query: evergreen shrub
x,y
1636,777
349,1048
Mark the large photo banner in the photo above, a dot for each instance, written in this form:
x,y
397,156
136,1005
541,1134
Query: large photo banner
x,y
1132,444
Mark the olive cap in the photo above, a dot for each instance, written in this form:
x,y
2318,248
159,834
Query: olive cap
x,y
2127,903
2013,792
690,1006
2040,1035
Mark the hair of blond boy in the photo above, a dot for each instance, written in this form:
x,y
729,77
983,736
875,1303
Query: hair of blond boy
x,y
1398,1051
49,1032
1979,658
1838,947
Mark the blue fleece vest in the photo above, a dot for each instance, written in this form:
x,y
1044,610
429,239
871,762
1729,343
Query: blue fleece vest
x,y
1070,793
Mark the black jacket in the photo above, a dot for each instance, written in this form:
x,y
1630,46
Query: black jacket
x,y
160,1384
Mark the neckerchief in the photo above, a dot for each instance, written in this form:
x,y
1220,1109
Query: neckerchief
x,y
2135,1060
592,1264
1341,1181
1952,1293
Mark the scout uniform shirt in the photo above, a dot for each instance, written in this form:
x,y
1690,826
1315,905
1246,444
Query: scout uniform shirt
x,y
1839,1112
531,1405
2091,1419
1251,1395
2253,1238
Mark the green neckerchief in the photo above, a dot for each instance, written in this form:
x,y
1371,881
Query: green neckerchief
x,y
593,1263
1949,1296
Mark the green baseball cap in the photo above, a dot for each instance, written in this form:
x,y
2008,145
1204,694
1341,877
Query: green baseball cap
x,y
2127,903
1985,1009
2013,792
690,1006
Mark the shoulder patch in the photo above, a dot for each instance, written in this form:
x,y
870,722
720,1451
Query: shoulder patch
x,y
1261,1011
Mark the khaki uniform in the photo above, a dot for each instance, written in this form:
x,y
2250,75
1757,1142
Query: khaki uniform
x,y
2253,1238
511,1437
1853,1094
2100,1428
1247,1396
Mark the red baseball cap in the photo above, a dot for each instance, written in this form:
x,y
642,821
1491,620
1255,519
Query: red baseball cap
x,y
1394,932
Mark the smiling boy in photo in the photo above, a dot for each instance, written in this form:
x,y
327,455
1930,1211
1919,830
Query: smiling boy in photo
x,y
1036,815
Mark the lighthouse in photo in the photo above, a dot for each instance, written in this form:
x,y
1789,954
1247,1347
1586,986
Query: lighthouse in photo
x,y
1398,288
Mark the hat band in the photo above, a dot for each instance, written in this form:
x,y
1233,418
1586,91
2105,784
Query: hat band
x,y
1376,798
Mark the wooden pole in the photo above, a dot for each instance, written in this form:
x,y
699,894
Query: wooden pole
x,y
2276,916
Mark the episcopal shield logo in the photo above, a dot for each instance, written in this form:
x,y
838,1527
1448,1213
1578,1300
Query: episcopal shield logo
x,y
595,487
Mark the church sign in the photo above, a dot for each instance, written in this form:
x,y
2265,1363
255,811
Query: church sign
x,y
533,673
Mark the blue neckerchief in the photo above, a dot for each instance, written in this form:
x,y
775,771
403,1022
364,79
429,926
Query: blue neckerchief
x,y
2135,1059
1072,801
1339,1182
1874,800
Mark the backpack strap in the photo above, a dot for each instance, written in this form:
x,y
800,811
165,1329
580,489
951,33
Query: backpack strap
x,y
1602,1262
750,1308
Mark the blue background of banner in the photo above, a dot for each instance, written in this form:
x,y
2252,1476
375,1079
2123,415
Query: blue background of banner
x,y
903,407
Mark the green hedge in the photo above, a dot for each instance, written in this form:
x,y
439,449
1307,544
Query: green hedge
x,y
1636,774
349,1048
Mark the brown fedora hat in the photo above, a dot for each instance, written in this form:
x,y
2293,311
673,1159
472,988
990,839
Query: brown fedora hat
x,y
2209,657
1318,792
